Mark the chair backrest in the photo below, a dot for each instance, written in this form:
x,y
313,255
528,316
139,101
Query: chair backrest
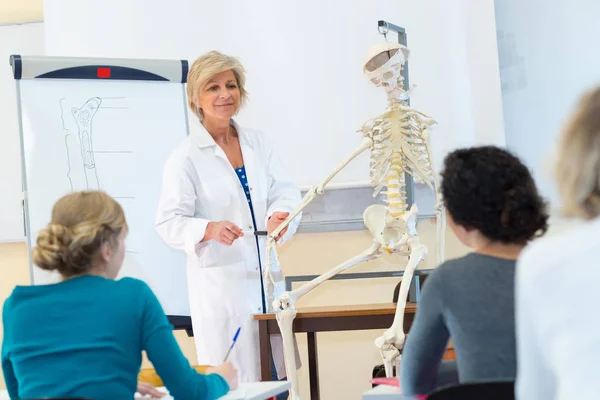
x,y
498,390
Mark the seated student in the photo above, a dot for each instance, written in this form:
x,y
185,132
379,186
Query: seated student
x,y
84,336
494,208
556,290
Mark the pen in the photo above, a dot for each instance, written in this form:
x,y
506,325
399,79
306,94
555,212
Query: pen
x,y
232,344
257,233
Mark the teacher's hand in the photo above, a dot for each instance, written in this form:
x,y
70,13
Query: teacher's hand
x,y
275,220
225,232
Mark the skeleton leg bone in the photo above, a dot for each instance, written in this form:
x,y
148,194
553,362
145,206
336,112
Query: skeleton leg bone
x,y
286,313
285,309
271,244
391,341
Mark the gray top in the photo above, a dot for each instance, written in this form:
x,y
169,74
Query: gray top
x,y
471,301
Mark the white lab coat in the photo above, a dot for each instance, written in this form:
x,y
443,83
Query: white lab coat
x,y
200,185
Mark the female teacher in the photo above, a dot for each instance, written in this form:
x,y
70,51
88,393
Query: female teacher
x,y
221,180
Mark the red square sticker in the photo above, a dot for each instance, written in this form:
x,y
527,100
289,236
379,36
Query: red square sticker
x,y
103,72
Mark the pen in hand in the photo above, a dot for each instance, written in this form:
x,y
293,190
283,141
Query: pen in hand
x,y
255,233
232,344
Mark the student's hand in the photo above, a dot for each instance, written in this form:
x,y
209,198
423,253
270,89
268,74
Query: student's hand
x,y
228,372
225,232
275,220
146,389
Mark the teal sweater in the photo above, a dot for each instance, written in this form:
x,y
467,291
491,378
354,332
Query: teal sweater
x,y
84,338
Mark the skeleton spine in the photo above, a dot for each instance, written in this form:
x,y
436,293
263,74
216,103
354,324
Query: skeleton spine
x,y
396,195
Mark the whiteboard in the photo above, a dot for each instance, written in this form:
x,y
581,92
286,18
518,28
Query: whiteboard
x,y
133,126
29,39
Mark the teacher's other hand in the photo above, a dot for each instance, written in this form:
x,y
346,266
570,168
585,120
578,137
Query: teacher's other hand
x,y
225,232
275,220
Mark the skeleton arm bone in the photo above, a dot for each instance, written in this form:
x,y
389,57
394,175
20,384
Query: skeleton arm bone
x,y
271,250
365,144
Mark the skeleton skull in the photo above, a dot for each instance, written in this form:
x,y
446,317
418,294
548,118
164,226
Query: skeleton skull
x,y
383,65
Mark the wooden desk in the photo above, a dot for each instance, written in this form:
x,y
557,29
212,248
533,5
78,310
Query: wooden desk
x,y
311,320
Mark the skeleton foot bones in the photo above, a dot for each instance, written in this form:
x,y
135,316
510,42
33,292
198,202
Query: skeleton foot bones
x,y
398,140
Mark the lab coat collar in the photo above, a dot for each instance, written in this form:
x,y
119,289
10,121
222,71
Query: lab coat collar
x,y
203,139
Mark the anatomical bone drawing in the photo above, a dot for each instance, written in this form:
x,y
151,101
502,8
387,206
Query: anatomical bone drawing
x,y
82,144
82,170
398,141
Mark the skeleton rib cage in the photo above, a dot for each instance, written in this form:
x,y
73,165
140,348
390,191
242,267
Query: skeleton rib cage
x,y
399,145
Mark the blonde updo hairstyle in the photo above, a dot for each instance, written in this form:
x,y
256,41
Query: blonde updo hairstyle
x,y
204,69
81,224
578,163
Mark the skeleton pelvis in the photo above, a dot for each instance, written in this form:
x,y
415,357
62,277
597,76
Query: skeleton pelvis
x,y
374,218
387,230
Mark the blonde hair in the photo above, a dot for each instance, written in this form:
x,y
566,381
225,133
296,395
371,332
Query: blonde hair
x,y
578,161
81,223
205,68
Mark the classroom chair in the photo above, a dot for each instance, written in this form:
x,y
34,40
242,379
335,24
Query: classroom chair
x,y
149,375
497,390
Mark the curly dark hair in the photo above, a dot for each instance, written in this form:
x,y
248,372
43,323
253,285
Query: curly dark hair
x,y
489,189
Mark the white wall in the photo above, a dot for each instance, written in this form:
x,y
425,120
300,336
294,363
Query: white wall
x,y
482,68
14,39
304,63
548,51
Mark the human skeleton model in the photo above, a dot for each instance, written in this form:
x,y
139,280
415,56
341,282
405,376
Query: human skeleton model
x,y
398,140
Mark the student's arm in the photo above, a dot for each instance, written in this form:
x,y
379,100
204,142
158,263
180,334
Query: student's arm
x,y
7,369
182,381
426,341
9,378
